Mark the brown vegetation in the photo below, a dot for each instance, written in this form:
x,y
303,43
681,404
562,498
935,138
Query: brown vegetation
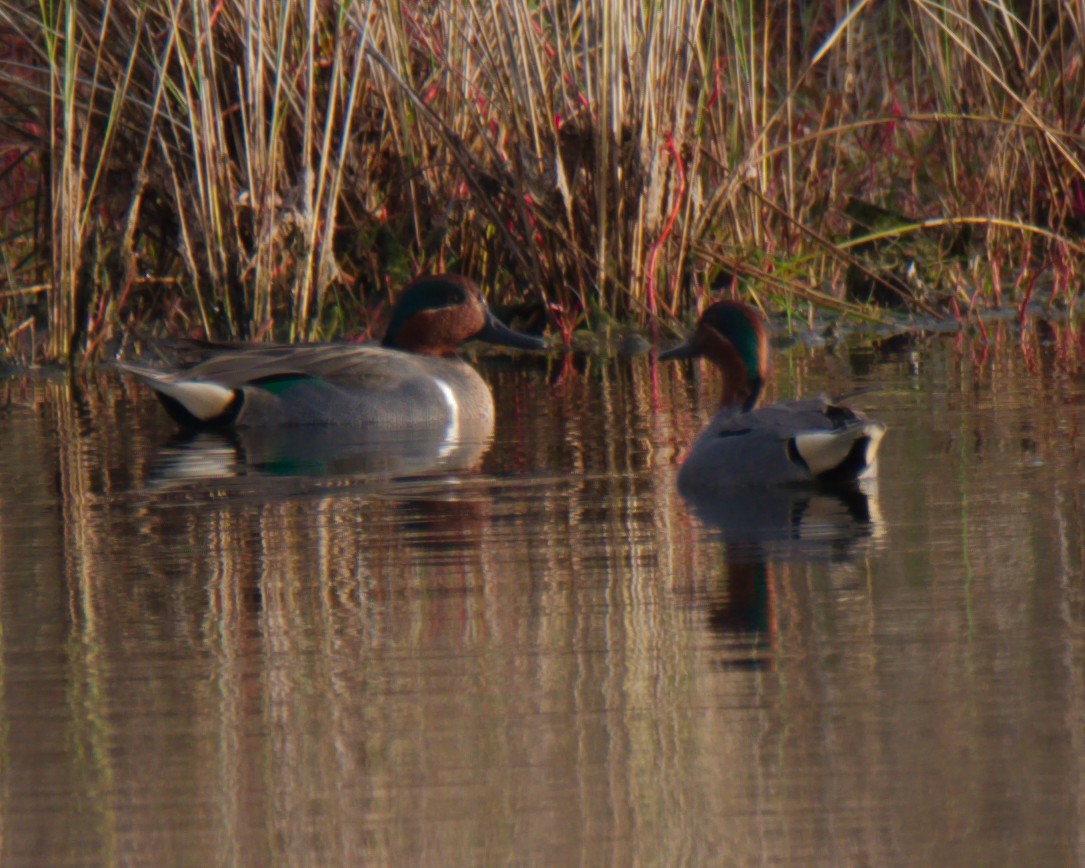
x,y
254,169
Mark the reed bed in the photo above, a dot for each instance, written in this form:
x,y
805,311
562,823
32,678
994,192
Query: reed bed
x,y
278,170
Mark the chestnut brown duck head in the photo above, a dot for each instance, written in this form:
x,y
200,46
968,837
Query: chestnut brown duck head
x,y
813,440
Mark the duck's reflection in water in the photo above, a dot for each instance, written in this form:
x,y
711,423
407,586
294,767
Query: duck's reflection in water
x,y
789,522
317,452
761,528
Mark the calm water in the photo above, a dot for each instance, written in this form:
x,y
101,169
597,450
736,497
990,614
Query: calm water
x,y
535,651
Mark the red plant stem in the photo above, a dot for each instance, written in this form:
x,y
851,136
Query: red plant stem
x,y
565,321
973,312
983,328
215,13
550,51
956,310
653,256
1021,312
716,88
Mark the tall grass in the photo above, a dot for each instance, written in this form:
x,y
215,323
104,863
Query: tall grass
x,y
279,169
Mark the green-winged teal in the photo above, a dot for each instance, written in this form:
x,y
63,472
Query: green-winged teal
x,y
413,378
813,440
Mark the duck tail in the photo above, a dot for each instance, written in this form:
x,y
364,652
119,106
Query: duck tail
x,y
842,454
192,403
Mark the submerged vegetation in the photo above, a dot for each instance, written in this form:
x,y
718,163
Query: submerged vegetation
x,y
277,170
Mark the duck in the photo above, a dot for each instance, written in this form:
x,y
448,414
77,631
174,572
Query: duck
x,y
815,440
412,378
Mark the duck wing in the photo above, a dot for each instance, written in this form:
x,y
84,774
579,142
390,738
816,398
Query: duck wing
x,y
796,441
313,384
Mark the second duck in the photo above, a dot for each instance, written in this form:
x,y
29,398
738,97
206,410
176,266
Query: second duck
x,y
816,440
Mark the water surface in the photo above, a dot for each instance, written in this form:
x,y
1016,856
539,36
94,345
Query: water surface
x,y
532,649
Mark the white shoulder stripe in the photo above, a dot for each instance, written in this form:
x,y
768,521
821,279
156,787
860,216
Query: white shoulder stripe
x,y
452,429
